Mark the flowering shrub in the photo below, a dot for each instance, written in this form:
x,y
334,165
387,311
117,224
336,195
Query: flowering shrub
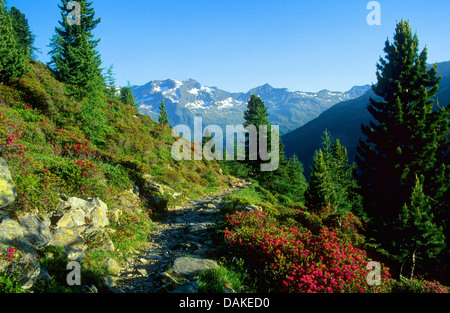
x,y
349,226
302,261
129,229
417,285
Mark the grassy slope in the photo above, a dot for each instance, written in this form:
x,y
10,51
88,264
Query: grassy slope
x,y
48,151
50,146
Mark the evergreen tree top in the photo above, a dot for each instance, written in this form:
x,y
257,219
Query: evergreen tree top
x,y
256,113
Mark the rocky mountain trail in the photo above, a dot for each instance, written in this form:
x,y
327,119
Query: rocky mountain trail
x,y
182,245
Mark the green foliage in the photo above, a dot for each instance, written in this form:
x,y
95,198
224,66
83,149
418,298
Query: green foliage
x,y
24,36
53,260
110,83
418,285
12,58
94,123
406,137
126,96
291,183
130,230
256,115
346,188
287,181
422,240
163,118
320,196
10,283
229,277
50,151
74,58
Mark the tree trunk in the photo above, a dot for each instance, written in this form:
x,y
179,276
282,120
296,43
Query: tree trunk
x,y
413,265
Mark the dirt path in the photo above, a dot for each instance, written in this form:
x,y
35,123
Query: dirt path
x,y
186,230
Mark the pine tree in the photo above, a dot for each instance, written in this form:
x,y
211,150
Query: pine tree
x,y
110,83
341,172
256,115
12,60
74,58
291,181
422,239
405,136
163,117
126,95
24,37
320,196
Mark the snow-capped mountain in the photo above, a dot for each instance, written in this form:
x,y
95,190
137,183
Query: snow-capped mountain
x,y
187,99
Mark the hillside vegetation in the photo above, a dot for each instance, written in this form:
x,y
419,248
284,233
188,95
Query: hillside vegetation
x,y
44,142
85,177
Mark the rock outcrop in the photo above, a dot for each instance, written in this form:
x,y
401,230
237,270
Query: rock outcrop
x,y
74,224
7,187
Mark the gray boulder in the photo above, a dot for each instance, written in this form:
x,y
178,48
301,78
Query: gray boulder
x,y
185,266
8,191
74,212
69,238
36,230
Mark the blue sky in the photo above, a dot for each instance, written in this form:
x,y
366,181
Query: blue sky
x,y
236,45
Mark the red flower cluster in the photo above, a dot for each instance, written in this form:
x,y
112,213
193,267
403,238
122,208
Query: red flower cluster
x,y
303,262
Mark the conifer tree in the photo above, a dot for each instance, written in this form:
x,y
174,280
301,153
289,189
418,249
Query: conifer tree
x,y
24,36
290,180
256,115
12,59
163,117
320,196
110,83
405,137
74,58
422,240
126,95
341,172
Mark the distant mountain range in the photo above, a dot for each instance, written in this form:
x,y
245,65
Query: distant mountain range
x,y
187,99
343,121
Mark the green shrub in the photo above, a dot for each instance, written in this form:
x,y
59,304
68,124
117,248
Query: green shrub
x,y
226,278
10,283
417,285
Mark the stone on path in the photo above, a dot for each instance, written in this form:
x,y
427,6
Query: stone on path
x,y
185,266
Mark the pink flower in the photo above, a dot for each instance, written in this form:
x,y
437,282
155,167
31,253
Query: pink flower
x,y
12,250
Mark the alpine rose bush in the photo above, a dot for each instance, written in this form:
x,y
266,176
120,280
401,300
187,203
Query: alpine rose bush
x,y
302,261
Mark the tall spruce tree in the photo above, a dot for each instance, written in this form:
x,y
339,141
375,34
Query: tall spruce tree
x,y
163,117
337,174
320,196
256,115
24,37
74,58
422,239
289,180
405,137
12,59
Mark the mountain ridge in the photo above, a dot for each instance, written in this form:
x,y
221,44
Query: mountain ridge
x,y
343,121
186,99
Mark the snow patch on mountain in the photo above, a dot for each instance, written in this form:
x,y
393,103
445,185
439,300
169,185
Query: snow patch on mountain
x,y
197,104
228,103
